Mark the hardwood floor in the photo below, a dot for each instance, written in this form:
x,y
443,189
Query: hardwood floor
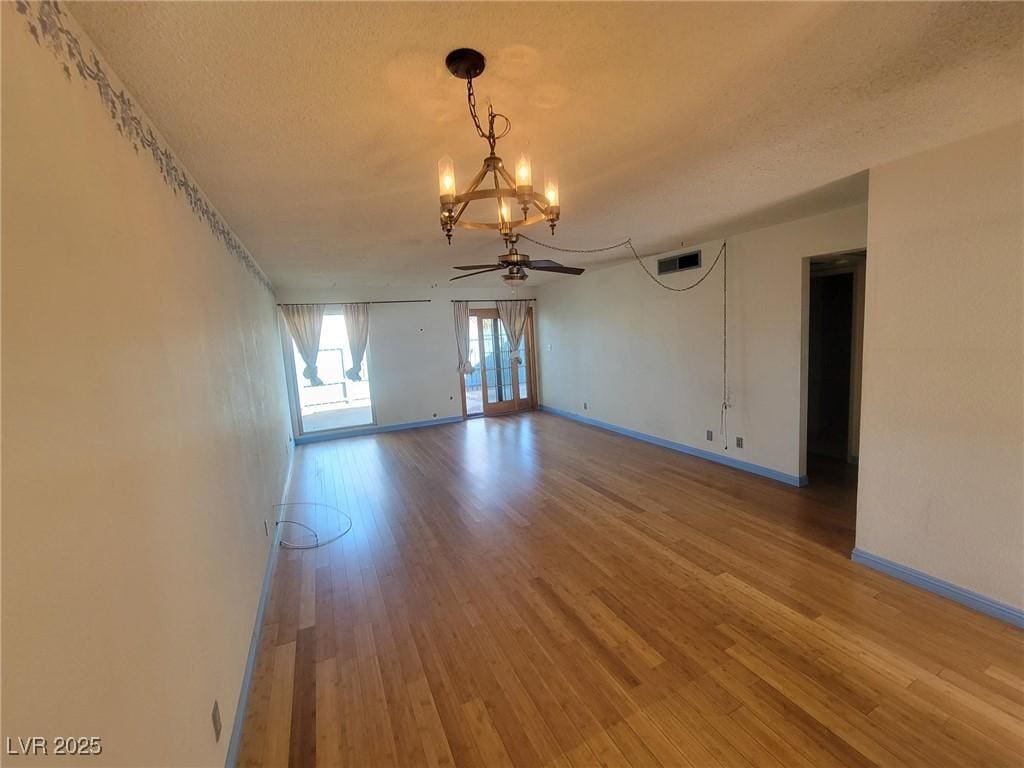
x,y
529,591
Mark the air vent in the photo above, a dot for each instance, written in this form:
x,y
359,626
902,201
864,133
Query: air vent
x,y
679,262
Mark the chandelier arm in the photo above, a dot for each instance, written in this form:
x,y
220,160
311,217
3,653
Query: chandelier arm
x,y
483,194
497,185
540,202
479,177
458,215
469,190
535,219
507,176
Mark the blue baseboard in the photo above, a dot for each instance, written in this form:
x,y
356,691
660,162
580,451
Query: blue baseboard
x,y
373,430
728,461
986,605
254,643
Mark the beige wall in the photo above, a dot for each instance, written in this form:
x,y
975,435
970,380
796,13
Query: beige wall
x,y
145,436
651,361
942,430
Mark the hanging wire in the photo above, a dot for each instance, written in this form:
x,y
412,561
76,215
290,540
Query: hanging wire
x,y
628,243
723,255
725,345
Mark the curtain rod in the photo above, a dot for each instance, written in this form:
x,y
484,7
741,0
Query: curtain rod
x,y
455,301
313,304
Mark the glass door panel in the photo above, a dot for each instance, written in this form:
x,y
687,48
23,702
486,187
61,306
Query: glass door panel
x,y
499,394
473,382
523,370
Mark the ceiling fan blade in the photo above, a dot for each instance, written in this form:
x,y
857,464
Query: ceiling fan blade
x,y
560,269
475,266
474,274
538,263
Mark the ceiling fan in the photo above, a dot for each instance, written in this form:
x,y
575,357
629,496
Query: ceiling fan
x,y
517,263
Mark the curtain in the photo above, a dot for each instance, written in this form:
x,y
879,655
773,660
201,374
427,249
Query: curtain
x,y
462,335
357,323
304,321
513,319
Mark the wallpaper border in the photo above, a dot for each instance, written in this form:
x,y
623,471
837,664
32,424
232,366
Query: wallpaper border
x,y
45,21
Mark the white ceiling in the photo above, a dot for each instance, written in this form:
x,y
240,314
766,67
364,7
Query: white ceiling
x,y
315,127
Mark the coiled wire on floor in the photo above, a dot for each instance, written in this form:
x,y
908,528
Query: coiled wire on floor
x,y
343,527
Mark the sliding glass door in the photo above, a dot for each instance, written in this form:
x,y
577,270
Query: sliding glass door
x,y
335,402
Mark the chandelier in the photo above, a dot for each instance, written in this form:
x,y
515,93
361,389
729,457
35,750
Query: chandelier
x,y
492,181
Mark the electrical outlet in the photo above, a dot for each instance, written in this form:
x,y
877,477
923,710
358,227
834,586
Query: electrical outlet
x,y
710,435
585,406
739,442
215,717
266,527
435,415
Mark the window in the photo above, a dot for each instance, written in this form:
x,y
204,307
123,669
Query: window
x,y
337,403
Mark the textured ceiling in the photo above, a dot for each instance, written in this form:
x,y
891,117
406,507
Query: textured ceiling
x,y
315,127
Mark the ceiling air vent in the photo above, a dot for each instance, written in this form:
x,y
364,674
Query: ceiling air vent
x,y
679,262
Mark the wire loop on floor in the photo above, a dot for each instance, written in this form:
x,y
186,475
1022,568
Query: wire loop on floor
x,y
342,517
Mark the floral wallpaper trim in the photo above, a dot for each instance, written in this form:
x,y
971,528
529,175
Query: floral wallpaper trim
x,y
45,22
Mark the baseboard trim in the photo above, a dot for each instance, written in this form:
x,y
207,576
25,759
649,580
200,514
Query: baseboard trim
x,y
978,602
254,643
728,461
340,434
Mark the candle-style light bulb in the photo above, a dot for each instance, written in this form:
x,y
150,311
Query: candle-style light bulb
x,y
446,177
551,190
524,172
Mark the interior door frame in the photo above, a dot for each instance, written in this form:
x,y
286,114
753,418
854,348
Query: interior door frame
x,y
518,403
855,263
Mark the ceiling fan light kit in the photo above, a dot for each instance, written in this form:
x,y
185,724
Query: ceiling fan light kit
x,y
493,181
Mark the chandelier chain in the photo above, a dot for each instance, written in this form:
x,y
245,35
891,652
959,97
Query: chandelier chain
x,y
490,136
471,98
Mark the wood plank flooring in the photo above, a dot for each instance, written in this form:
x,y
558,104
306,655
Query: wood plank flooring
x,y
529,591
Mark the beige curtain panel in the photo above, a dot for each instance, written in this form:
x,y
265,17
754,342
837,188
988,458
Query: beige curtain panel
x,y
513,319
357,323
462,335
304,321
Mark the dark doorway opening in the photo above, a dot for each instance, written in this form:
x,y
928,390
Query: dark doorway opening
x,y
830,347
835,317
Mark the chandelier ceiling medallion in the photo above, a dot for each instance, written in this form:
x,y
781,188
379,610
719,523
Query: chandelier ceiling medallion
x,y
492,181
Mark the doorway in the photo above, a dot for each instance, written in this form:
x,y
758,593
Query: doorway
x,y
835,317
503,379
